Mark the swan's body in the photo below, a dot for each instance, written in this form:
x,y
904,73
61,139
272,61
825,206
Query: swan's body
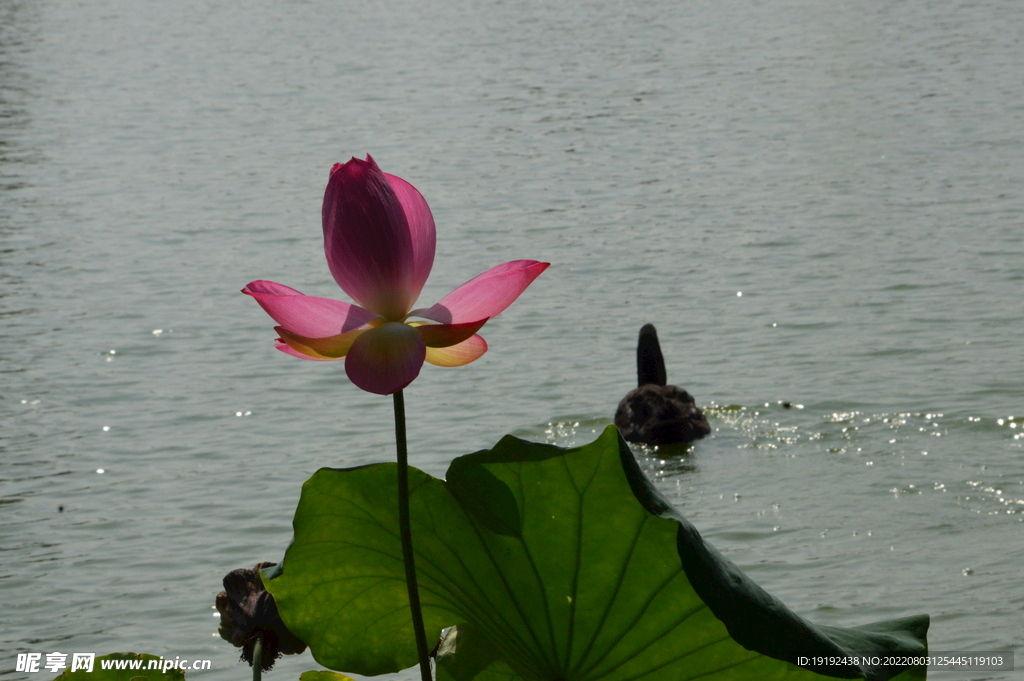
x,y
655,413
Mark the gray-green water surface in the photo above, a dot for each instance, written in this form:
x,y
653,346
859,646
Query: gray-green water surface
x,y
819,204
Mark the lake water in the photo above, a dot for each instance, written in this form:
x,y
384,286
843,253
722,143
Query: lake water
x,y
816,203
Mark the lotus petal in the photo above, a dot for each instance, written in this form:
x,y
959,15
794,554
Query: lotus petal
x,y
446,335
465,352
371,249
386,359
486,295
288,350
332,347
421,231
306,315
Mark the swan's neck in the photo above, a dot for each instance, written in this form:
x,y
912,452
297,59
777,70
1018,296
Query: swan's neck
x,y
650,365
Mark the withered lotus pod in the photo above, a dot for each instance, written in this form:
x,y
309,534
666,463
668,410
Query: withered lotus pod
x,y
248,613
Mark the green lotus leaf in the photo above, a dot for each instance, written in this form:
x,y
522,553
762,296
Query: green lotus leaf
x,y
123,667
321,675
464,655
553,565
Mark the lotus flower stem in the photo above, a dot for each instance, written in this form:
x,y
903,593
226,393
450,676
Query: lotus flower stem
x,y
406,535
257,659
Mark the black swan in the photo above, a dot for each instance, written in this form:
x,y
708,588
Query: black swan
x,y
655,413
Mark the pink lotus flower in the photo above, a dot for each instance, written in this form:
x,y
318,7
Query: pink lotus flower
x,y
379,240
